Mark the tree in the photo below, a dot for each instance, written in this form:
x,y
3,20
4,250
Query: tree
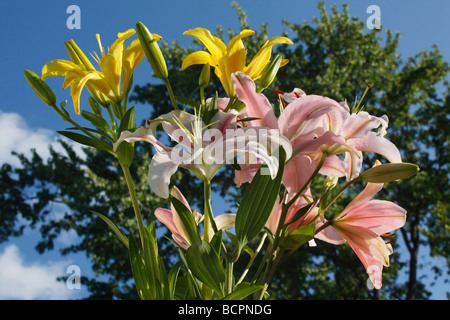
x,y
332,57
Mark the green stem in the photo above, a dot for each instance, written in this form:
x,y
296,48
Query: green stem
x,y
172,97
209,217
113,122
252,259
229,284
134,201
348,184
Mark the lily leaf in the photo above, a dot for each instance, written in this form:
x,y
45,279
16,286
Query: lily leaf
x,y
299,236
96,120
113,227
205,265
138,269
88,141
258,202
243,290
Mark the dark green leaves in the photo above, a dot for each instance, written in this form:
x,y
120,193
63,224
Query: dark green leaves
x,y
204,263
258,202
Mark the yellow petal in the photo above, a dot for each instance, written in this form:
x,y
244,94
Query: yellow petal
x,y
58,67
156,36
236,54
132,56
75,90
198,57
235,40
214,45
262,58
111,64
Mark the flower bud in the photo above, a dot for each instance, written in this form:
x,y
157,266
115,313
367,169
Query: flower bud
x,y
203,80
270,72
331,182
125,154
77,55
389,172
95,107
40,87
152,50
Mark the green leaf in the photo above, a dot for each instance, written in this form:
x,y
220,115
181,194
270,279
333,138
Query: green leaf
x,y
138,269
186,101
216,241
205,265
85,140
96,131
151,261
299,236
243,290
258,202
187,219
96,120
113,227
172,279
127,122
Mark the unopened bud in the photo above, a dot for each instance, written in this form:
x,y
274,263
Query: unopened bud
x,y
40,87
99,96
77,55
270,72
152,50
95,107
203,80
331,182
389,172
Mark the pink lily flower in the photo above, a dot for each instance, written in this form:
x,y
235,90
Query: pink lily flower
x,y
361,224
298,123
314,125
172,221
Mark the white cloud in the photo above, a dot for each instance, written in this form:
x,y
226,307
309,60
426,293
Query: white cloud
x,y
17,136
22,281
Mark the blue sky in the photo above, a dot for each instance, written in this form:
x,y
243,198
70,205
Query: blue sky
x,y
34,32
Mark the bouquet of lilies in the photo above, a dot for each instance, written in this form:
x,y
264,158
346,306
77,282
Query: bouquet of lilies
x,y
279,156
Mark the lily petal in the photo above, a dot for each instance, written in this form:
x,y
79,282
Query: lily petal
x,y
292,120
214,45
262,58
223,222
161,169
379,216
370,249
374,143
197,57
256,104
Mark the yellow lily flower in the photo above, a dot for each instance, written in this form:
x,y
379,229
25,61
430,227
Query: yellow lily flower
x,y
116,69
227,59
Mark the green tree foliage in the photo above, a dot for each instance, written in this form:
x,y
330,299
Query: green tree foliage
x,y
334,56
